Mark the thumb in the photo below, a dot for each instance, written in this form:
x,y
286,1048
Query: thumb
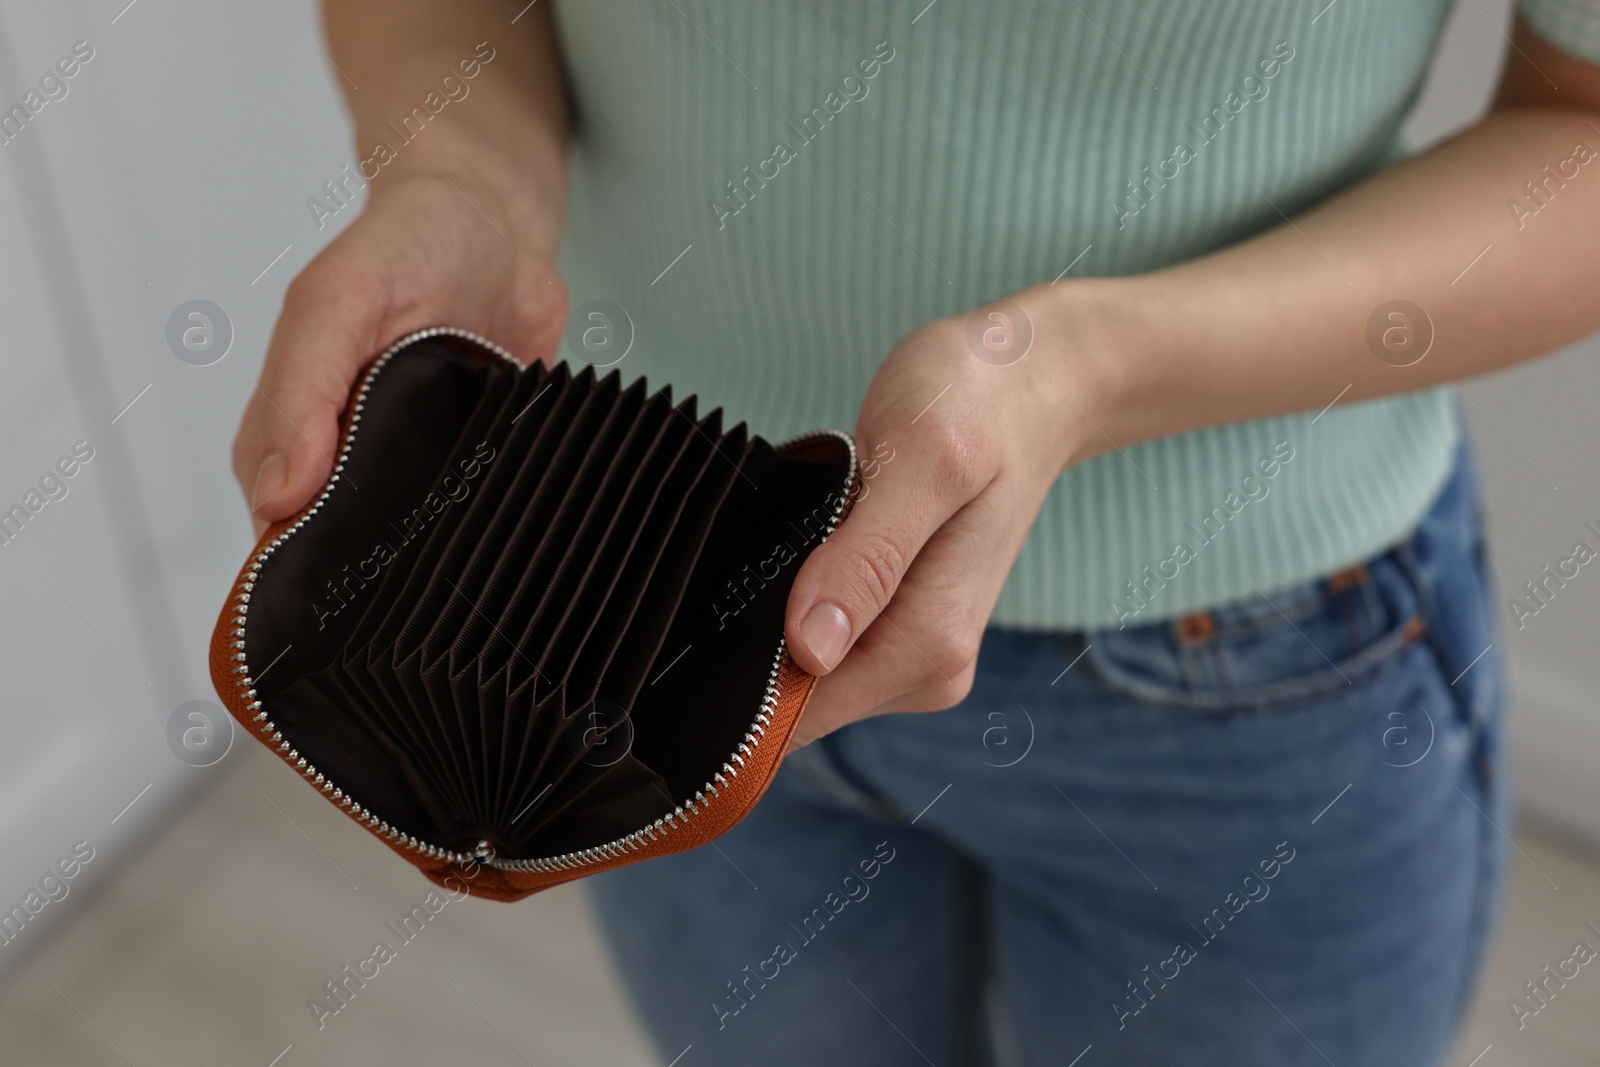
x,y
850,578
285,449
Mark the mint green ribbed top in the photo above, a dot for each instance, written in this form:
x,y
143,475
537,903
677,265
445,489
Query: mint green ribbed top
x,y
908,162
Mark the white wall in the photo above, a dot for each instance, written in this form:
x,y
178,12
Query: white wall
x,y
176,167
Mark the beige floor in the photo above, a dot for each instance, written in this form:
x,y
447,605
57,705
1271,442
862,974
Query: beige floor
x,y
204,952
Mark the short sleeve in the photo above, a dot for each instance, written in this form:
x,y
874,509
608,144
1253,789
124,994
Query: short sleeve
x,y
1571,25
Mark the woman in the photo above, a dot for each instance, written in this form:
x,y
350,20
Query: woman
x,y
1146,332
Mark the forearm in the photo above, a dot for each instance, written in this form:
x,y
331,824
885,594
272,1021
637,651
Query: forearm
x,y
507,123
1280,323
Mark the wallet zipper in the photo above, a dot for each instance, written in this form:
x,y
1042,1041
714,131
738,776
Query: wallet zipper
x,y
673,822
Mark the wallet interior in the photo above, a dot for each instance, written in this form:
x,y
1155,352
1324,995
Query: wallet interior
x,y
535,610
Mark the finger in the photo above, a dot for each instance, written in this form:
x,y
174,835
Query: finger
x,y
851,577
920,654
286,445
883,663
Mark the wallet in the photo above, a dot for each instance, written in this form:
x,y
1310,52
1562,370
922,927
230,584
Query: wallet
x,y
532,626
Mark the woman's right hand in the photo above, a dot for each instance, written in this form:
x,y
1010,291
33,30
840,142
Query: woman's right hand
x,y
448,245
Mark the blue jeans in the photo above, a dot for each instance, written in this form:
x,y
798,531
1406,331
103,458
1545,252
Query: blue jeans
x,y
1264,834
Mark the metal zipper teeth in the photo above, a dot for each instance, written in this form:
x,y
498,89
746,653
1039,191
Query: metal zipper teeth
x,y
674,820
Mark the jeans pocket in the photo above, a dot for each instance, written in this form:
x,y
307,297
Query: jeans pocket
x,y
1277,652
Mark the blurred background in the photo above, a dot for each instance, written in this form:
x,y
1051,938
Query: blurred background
x,y
220,893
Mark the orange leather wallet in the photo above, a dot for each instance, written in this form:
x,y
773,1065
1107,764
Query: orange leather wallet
x,y
532,627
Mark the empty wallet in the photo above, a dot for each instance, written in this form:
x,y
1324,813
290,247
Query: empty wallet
x,y
532,627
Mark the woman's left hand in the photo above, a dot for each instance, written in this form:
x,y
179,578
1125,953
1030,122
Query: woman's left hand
x,y
960,441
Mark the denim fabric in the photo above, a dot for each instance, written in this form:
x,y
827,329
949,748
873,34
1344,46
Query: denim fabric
x,y
1264,835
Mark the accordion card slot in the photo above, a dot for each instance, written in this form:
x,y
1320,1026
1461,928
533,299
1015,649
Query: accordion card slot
x,y
312,711
411,676
582,810
541,591
462,475
542,420
460,729
527,750
572,603
334,697
461,593
644,639
481,710
348,700
568,762
499,722
412,729
536,535
475,468
497,496
613,522
667,495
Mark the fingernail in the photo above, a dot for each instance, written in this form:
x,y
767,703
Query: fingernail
x,y
270,479
826,632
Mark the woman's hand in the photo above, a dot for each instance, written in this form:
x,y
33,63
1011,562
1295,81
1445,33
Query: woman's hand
x,y
446,246
959,447
460,227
